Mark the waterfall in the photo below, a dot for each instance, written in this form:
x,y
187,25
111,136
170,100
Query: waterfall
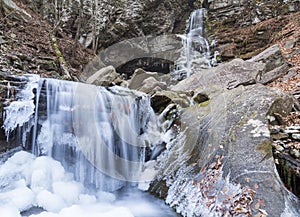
x,y
195,50
97,133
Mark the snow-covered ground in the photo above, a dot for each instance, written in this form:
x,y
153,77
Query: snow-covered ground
x,y
27,181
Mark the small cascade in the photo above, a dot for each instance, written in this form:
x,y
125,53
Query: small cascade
x,y
98,134
195,49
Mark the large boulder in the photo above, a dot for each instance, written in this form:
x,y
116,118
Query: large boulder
x,y
151,85
221,163
139,76
226,76
161,99
275,65
262,68
106,76
146,82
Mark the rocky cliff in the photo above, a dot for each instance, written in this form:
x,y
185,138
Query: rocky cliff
x,y
242,29
103,23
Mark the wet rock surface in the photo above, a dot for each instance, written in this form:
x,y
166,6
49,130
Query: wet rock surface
x,y
226,142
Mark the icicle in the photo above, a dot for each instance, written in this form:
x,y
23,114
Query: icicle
x,y
20,112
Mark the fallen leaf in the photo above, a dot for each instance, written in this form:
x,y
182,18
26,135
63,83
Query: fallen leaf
x,y
194,182
259,215
213,165
208,203
262,202
257,205
255,186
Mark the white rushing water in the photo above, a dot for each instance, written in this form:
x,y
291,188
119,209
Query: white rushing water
x,y
88,141
195,49
103,130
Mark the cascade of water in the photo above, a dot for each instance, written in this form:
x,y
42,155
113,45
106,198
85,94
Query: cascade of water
x,y
195,49
96,133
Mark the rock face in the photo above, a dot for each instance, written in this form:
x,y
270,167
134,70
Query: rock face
x,y
221,162
9,87
243,28
107,22
286,150
28,44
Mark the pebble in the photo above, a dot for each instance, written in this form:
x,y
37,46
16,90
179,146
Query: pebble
x,y
295,153
2,41
296,136
291,131
289,44
275,130
278,147
279,136
295,127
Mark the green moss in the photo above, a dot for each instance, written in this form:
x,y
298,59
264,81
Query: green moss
x,y
266,148
233,137
246,119
204,104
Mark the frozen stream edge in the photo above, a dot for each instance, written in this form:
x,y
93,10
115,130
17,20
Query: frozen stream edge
x,y
27,181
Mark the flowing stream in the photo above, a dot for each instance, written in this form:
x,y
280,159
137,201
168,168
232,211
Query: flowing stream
x,y
195,50
88,147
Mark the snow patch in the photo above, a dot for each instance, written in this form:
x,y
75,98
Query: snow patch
x,y
260,129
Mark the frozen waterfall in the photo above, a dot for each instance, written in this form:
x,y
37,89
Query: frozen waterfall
x,y
97,133
88,150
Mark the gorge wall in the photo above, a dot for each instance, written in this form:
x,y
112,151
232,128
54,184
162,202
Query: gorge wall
x,y
236,28
103,23
244,28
